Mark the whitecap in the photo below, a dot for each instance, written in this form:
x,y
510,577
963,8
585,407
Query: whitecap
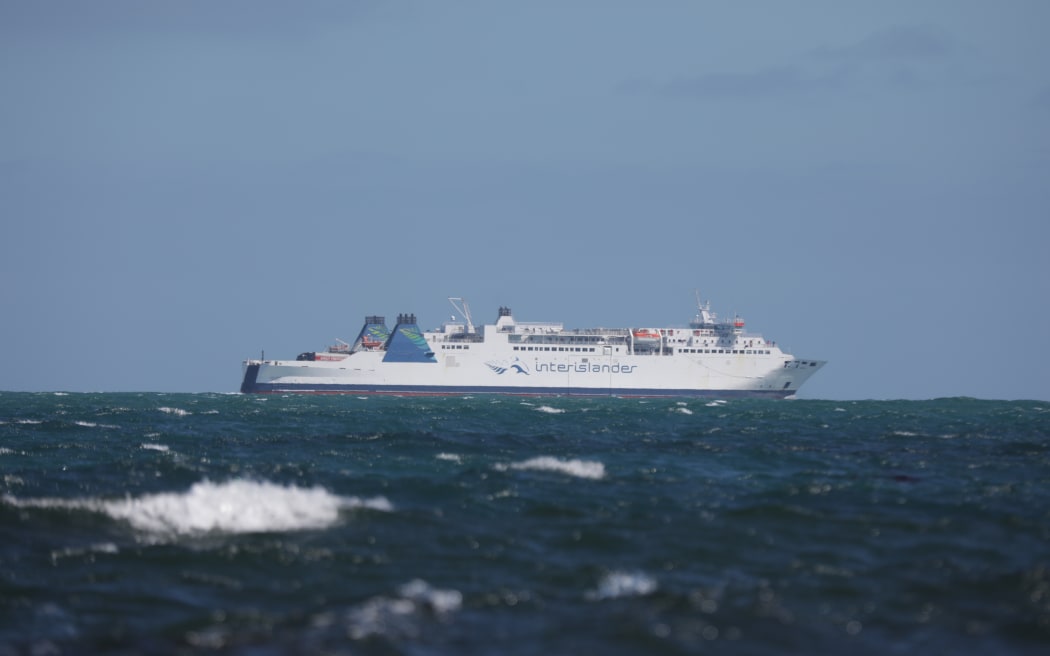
x,y
29,422
5,451
154,447
684,411
617,584
91,424
101,547
451,457
438,600
550,410
579,468
178,412
401,615
236,506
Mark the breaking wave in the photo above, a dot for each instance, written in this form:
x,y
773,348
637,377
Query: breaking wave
x,y
579,468
623,584
178,412
237,506
403,615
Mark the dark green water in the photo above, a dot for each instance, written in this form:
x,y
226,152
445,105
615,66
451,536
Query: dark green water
x,y
165,524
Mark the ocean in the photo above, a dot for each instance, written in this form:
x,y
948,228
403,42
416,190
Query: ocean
x,y
239,524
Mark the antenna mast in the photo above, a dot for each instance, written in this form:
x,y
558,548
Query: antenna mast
x,y
460,304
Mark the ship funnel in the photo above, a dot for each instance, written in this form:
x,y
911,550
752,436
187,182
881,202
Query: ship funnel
x,y
407,343
373,334
505,322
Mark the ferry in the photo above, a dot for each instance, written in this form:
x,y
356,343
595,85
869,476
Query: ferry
x,y
708,358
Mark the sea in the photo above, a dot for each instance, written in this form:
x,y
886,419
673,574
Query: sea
x,y
145,523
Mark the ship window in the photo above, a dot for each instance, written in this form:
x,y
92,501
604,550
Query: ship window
x,y
812,364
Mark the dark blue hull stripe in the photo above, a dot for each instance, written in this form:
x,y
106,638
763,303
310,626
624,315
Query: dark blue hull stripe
x,y
250,387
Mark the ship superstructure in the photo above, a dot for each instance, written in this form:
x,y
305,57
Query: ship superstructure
x,y
709,358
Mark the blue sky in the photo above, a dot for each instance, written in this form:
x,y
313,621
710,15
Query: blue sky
x,y
183,185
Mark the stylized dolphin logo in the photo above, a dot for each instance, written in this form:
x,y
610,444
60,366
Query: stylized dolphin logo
x,y
502,367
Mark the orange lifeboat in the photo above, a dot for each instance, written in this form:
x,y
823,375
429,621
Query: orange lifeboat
x,y
646,338
370,343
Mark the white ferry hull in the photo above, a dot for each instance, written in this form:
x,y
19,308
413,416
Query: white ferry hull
x,y
542,360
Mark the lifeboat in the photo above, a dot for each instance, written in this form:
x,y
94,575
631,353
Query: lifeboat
x,y
646,338
370,343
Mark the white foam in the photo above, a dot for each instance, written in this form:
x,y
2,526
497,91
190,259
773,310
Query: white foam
x,y
579,468
450,456
550,410
440,601
178,412
684,411
715,403
155,447
5,451
615,585
101,547
30,422
402,615
91,424
237,506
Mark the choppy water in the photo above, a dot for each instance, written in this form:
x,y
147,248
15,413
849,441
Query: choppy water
x,y
149,523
